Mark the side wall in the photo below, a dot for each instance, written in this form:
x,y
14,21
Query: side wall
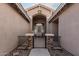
x,y
12,25
53,28
69,29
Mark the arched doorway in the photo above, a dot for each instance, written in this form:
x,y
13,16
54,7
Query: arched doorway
x,y
41,41
39,18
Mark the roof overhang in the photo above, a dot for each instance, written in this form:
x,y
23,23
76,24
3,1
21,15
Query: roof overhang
x,y
18,7
59,10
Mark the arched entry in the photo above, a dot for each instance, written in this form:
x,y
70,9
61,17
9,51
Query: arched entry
x,y
39,18
41,41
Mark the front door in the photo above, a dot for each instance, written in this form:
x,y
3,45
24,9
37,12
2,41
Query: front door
x,y
39,42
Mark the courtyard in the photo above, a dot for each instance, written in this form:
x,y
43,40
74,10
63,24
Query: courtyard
x,y
43,29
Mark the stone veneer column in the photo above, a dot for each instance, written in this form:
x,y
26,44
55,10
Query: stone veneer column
x,y
49,42
30,42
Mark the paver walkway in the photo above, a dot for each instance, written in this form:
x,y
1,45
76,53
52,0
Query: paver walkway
x,y
39,52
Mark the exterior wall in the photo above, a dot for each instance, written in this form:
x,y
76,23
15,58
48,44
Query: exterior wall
x,y
12,25
35,11
49,29
69,29
53,28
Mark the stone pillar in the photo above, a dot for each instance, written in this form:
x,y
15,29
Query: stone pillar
x,y
30,42
49,42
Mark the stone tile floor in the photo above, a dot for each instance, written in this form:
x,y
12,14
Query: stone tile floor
x,y
19,53
59,53
39,52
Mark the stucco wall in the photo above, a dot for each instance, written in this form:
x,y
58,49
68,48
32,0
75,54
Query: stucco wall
x,y
49,29
69,29
12,25
53,28
35,11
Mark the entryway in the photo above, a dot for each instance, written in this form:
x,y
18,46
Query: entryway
x,y
39,42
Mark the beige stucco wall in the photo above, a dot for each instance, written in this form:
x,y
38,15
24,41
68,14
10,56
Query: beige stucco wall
x,y
49,29
54,28
69,29
34,11
12,25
